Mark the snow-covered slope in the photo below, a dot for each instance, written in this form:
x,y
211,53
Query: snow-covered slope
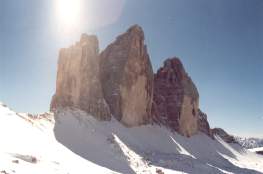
x,y
147,147
29,145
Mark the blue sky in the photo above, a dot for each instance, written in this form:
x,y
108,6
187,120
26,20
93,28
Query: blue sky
x,y
219,42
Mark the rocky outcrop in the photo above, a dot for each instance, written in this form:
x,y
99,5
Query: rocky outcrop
x,y
224,135
120,82
203,124
127,78
78,80
117,82
176,99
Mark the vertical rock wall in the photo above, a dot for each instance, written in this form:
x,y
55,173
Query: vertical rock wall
x,y
78,81
176,99
127,78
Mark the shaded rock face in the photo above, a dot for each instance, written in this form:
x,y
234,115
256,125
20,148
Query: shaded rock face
x,y
203,124
78,81
176,99
224,135
127,78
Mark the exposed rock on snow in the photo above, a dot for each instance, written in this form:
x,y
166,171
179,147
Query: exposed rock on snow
x,y
78,81
127,78
224,135
176,99
258,150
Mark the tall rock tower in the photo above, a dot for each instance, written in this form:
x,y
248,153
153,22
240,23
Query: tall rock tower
x,y
127,78
176,99
78,80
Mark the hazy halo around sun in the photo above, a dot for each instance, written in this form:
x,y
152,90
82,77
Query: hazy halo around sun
x,y
69,14
70,18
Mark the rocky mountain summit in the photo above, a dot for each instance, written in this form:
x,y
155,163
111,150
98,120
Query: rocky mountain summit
x,y
127,78
176,99
119,82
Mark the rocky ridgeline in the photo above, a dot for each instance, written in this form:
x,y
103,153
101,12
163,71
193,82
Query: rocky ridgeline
x,y
224,135
120,82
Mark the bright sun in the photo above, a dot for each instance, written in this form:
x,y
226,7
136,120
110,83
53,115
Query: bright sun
x,y
69,14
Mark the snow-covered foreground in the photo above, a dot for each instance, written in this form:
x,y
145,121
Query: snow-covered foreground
x,y
29,146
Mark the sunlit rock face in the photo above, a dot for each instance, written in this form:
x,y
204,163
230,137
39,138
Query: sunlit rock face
x,y
176,99
127,78
78,83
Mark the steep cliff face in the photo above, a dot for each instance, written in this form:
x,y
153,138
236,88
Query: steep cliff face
x,y
203,124
78,83
120,82
127,78
176,99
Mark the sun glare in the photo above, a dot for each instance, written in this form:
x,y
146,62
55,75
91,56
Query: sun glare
x,y
69,14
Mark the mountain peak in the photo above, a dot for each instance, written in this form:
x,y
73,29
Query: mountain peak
x,y
135,28
133,33
84,38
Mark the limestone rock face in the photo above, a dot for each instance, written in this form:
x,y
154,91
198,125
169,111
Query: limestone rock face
x,y
127,78
120,82
203,124
78,81
176,99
